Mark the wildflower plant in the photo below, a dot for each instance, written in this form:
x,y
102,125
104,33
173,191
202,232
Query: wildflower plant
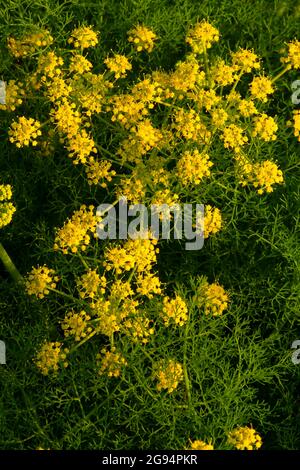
x,y
154,137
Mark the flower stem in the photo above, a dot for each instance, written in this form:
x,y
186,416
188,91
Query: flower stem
x,y
185,372
9,265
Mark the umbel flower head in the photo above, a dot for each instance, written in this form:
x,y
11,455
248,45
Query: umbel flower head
x,y
24,132
142,38
293,58
169,374
111,362
39,280
200,445
83,37
201,36
245,438
50,356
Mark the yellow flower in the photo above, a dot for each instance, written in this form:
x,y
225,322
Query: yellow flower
x,y
79,64
99,171
24,132
245,60
265,127
261,87
142,38
244,438
57,89
201,36
91,284
111,362
200,445
77,325
224,74
49,357
39,280
188,125
49,65
5,192
66,118
212,220
293,58
247,108
138,329
216,299
169,374
296,118
80,147
14,94
83,37
233,137
77,231
7,210
193,167
174,310
29,43
148,284
119,64
266,174
219,118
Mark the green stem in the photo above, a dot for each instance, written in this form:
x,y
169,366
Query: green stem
x,y
9,265
186,376
280,74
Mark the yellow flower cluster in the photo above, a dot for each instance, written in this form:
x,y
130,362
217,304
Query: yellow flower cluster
x,y
247,108
223,74
50,356
148,285
212,220
77,325
206,99
193,166
186,76
7,210
49,65
142,38
201,36
29,44
91,284
139,329
261,87
40,280
200,445
111,362
265,127
168,374
262,175
80,147
245,60
5,192
266,174
98,171
14,95
77,231
244,438
79,64
127,110
57,90
174,310
296,118
119,65
293,58
233,137
219,118
24,132
83,37
216,299
66,118
188,125
139,253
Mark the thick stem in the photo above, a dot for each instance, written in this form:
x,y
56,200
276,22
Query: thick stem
x,y
9,265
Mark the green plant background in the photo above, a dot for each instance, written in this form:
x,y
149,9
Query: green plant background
x,y
241,364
